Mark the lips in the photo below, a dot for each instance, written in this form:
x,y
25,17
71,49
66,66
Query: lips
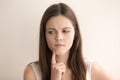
x,y
59,45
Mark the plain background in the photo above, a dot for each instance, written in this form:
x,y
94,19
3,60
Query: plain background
x,y
19,33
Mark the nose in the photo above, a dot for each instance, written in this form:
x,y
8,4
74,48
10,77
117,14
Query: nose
x,y
59,37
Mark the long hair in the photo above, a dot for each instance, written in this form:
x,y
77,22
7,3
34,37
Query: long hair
x,y
75,61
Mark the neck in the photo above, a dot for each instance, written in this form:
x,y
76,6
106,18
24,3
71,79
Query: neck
x,y
62,58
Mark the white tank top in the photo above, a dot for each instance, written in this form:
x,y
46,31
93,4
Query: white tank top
x,y
36,69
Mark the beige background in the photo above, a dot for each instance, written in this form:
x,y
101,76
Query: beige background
x,y
19,31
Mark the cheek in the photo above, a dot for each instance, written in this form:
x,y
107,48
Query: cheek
x,y
69,40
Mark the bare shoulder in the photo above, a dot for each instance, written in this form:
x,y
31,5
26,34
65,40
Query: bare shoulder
x,y
98,73
29,73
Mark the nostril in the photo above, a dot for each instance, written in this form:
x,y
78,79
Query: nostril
x,y
59,38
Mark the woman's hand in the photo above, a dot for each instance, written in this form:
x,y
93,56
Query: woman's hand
x,y
57,68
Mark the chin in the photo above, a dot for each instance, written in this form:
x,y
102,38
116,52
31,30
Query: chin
x,y
61,52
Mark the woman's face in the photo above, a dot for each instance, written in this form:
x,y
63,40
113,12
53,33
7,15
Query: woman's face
x,y
59,34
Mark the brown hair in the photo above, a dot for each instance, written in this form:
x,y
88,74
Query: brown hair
x,y
75,61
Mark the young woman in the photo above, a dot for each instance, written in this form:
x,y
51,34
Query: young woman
x,y
60,50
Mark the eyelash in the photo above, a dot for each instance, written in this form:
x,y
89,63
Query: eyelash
x,y
64,31
51,32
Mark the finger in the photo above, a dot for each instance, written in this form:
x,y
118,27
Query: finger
x,y
53,58
58,65
61,64
61,70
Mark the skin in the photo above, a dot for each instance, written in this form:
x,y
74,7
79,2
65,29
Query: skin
x,y
59,31
60,35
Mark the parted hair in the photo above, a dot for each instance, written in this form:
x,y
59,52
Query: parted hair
x,y
75,60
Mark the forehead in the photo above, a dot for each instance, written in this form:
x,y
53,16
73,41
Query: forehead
x,y
58,22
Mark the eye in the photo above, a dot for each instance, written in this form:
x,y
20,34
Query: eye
x,y
51,32
66,31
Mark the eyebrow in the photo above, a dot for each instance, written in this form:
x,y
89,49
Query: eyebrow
x,y
63,28
67,28
51,28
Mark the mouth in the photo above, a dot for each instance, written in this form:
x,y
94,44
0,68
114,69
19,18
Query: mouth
x,y
57,45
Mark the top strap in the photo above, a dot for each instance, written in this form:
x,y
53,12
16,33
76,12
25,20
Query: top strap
x,y
36,70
